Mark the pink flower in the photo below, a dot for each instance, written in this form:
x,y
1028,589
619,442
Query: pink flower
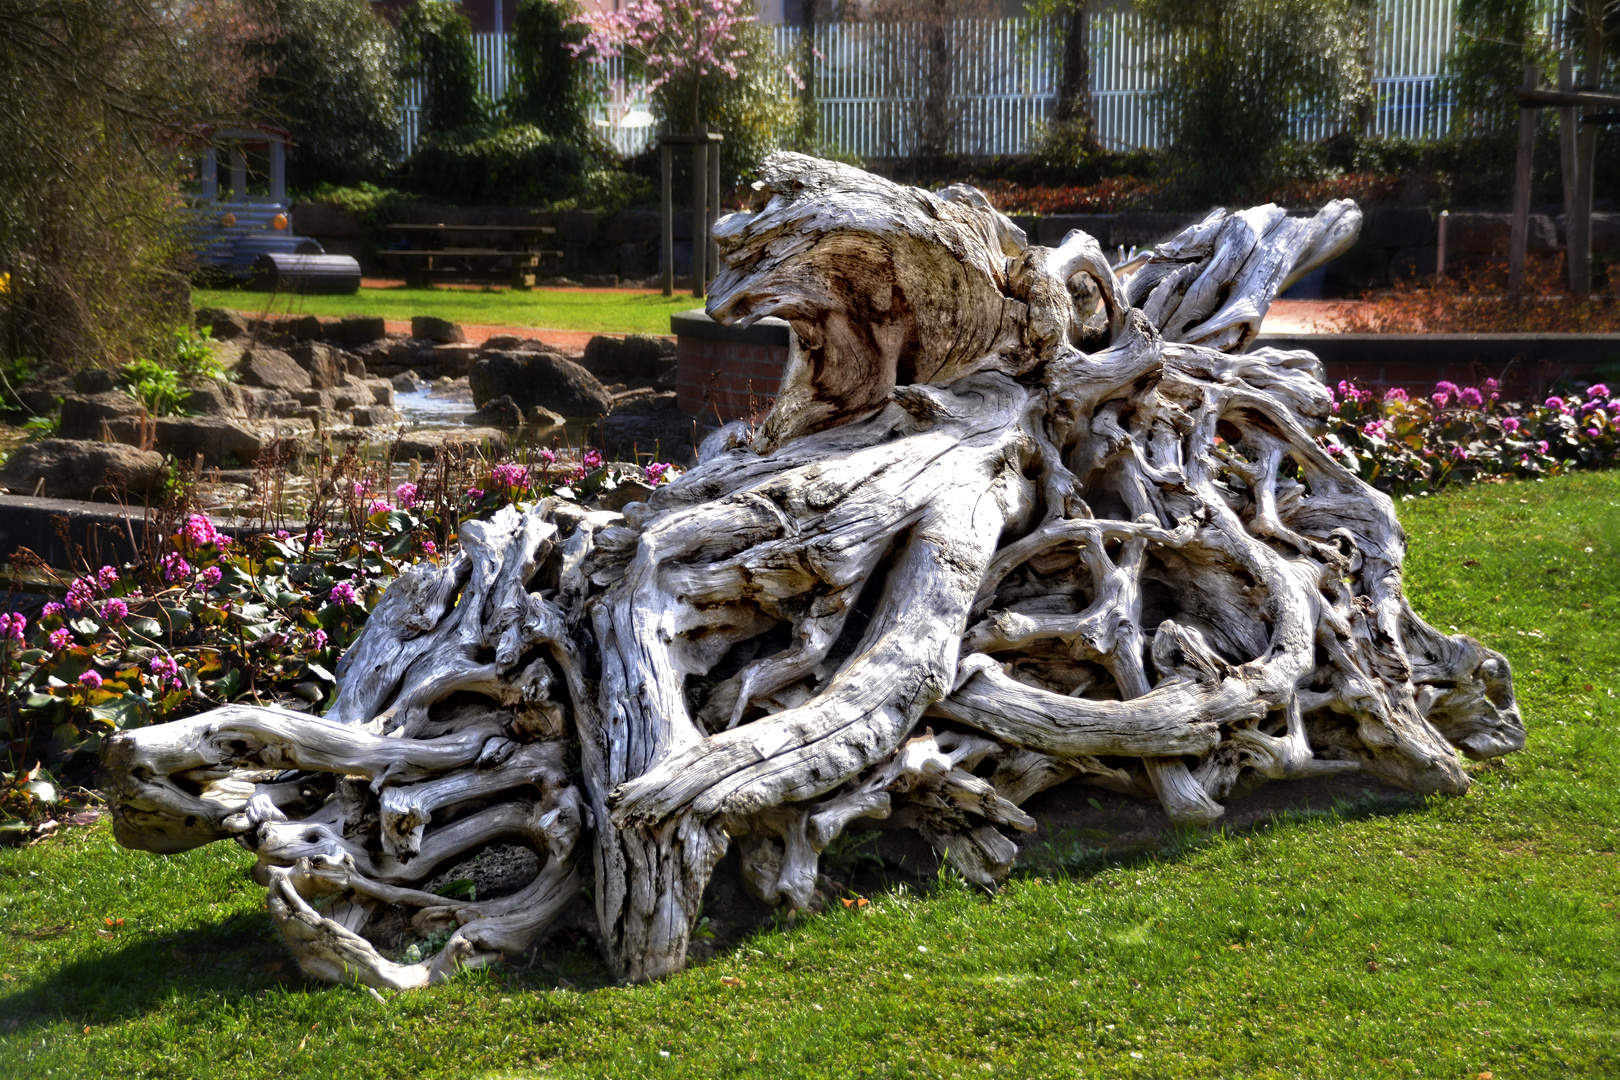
x,y
106,577
1492,385
549,457
405,495
1541,447
165,667
1374,428
115,611
175,567
210,577
52,610
1598,390
378,506
657,472
592,460
1510,424
342,593
1395,393
1592,433
61,638
475,494
1335,449
509,476
1441,400
78,598
317,538
283,534
199,531
361,489
429,547
1470,398
1445,387
91,679
1459,453
12,626
316,640
1555,403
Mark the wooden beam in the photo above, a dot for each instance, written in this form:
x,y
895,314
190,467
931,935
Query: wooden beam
x,y
1531,98
1521,188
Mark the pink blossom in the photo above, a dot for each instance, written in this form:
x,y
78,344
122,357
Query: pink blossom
x,y
52,610
1510,424
1459,453
316,640
1598,390
61,638
1395,393
317,538
283,534
1441,400
361,489
1541,447
342,593
210,577
378,506
430,547
78,598
91,679
1444,387
656,472
165,667
1374,428
1554,403
475,494
115,611
175,567
13,625
1524,459
1470,398
199,531
592,459
1492,385
549,457
106,577
405,495
1592,433
1335,449
509,476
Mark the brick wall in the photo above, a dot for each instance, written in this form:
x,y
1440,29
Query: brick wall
x,y
722,374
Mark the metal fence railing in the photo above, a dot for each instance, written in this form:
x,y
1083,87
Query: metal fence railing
x,y
1003,81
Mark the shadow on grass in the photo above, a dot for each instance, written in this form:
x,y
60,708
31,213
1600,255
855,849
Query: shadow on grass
x,y
236,957
1082,832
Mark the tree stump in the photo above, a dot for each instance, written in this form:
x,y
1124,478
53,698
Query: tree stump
x,y
1014,520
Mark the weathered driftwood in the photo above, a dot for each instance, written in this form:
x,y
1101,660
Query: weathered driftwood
x,y
1012,522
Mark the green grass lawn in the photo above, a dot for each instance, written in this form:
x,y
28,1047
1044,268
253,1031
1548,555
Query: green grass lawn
x,y
1446,938
549,309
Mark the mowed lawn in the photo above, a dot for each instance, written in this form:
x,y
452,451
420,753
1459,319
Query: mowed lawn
x,y
600,311
1440,938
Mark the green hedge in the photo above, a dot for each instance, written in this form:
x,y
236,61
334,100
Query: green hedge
x,y
512,166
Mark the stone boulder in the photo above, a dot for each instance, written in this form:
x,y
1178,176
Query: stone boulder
x,y
433,329
223,324
502,412
271,369
81,469
537,378
648,423
94,381
327,367
355,330
217,439
636,356
481,441
367,416
84,414
407,382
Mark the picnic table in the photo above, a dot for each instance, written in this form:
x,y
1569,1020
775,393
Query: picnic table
x,y
429,258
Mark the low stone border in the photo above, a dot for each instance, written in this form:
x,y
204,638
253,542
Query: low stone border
x,y
106,532
718,365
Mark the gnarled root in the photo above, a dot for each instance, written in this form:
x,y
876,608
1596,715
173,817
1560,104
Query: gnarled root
x,y
1017,518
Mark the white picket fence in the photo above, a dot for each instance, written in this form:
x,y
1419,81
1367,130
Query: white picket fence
x,y
1004,78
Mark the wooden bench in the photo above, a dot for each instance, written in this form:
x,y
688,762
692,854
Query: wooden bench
x,y
522,252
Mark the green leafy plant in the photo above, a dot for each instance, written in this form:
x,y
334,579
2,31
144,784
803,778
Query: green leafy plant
x,y
438,49
155,386
551,87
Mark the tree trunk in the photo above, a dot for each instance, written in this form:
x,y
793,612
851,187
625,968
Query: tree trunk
x,y
1013,521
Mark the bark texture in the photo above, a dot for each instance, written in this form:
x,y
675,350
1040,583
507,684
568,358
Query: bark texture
x,y
1015,520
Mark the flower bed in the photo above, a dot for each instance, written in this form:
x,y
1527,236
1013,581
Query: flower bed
x,y
203,620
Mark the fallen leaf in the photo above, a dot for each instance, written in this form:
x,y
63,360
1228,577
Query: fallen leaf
x,y
1372,965
1485,1075
861,901
8,977
846,902
115,923
301,1043
178,955
1236,948
731,980
87,1029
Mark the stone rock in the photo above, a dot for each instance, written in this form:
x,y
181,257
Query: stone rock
x,y
214,398
503,341
80,468
649,423
501,412
84,414
636,356
537,379
327,367
336,398
356,366
448,359
541,419
382,391
94,381
627,492
600,281
1477,233
222,323
357,330
433,329
271,369
483,441
407,382
374,416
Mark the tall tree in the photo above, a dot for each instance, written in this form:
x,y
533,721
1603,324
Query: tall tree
x,y
438,49
550,87
333,80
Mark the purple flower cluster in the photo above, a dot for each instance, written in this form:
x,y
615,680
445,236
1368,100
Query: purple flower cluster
x,y
166,668
175,567
61,638
115,610
91,678
515,477
342,593
199,532
210,577
406,496
12,626
657,472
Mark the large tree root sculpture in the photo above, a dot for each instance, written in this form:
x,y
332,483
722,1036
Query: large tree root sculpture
x,y
1012,521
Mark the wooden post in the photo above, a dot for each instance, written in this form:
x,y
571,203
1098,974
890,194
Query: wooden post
x,y
238,173
1568,125
714,205
1579,223
210,173
278,171
1440,252
700,231
667,224
1520,237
